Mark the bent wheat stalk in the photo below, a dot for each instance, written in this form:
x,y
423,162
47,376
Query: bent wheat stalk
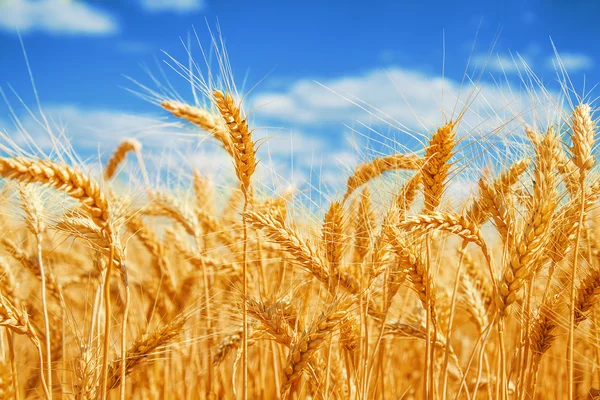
x,y
244,155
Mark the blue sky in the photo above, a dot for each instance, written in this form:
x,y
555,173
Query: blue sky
x,y
386,53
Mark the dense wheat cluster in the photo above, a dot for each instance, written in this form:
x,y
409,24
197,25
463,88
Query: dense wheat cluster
x,y
401,294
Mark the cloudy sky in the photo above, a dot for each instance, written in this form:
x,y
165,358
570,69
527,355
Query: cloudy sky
x,y
332,82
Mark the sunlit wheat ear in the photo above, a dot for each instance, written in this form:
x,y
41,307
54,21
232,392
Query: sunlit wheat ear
x,y
86,384
407,195
233,340
33,206
418,274
477,292
304,253
382,250
279,319
349,334
436,164
584,131
244,152
543,329
493,196
229,343
275,206
244,156
59,176
448,222
497,204
145,346
411,331
119,155
588,295
333,235
203,119
532,241
396,212
16,320
373,169
303,350
83,227
569,172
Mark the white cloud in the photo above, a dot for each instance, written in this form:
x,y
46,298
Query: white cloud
x,y
88,129
572,62
395,96
55,16
180,6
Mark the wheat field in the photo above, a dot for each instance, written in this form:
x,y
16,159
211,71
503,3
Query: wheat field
x,y
393,289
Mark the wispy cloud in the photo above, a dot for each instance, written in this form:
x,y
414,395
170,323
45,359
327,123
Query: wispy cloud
x,y
502,63
180,6
56,17
573,62
133,47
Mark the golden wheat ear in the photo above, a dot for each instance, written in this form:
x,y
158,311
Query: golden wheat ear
x,y
119,155
240,136
145,346
371,170
435,169
203,119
